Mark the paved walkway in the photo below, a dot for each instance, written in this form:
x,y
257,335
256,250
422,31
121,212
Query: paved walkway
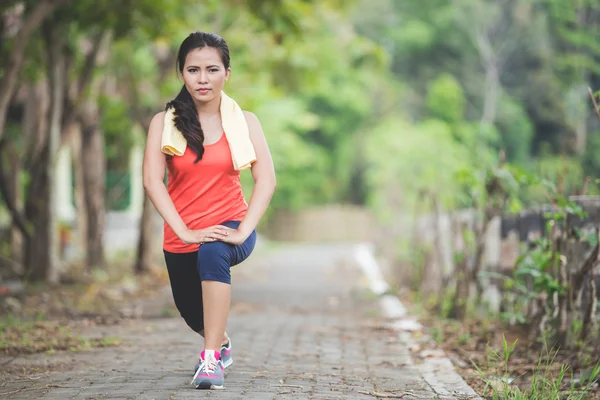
x,y
302,327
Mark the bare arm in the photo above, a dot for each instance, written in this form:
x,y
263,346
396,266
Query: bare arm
x,y
154,176
263,173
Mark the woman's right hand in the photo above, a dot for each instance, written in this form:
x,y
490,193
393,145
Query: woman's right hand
x,y
210,234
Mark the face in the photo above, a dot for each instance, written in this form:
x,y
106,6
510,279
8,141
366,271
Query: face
x,y
204,74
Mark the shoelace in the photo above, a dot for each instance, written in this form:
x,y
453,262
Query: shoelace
x,y
207,366
210,364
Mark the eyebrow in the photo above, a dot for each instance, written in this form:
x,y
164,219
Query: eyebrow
x,y
208,66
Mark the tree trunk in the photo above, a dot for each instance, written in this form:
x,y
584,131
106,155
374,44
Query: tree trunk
x,y
491,94
41,250
81,209
87,140
14,184
94,174
461,297
461,273
590,309
144,254
34,130
10,195
434,270
38,250
14,60
478,261
581,133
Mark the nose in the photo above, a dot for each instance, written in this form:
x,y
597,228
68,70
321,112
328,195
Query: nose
x,y
203,77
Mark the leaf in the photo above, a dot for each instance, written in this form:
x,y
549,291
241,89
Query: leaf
x,y
591,238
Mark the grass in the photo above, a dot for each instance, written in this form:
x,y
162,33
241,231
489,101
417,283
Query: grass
x,y
19,337
546,383
49,316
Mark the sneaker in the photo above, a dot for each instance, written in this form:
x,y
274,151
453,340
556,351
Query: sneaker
x,y
211,374
225,356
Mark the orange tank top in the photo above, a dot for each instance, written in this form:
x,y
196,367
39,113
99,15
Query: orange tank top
x,y
206,193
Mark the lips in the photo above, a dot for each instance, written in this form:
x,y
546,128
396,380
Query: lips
x,y
203,90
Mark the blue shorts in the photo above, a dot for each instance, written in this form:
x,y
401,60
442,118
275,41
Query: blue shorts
x,y
215,258
212,260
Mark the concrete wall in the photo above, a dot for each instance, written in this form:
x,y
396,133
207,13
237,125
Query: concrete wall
x,y
331,223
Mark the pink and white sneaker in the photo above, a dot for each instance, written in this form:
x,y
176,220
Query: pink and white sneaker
x,y
225,356
211,374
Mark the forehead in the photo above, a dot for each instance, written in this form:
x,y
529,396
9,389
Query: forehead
x,y
204,56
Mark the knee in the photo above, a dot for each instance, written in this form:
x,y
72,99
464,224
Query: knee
x,y
195,322
190,315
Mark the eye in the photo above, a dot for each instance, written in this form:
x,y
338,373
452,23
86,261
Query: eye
x,y
192,70
213,70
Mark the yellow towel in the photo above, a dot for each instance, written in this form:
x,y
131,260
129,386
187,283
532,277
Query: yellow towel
x,y
236,132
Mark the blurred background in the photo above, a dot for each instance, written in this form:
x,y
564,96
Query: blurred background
x,y
442,132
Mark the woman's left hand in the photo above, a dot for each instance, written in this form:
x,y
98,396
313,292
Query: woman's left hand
x,y
235,237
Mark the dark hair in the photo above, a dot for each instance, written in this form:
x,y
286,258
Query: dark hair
x,y
186,117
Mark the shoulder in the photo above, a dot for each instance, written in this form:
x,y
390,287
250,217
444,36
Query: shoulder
x,y
158,118
253,122
251,118
157,122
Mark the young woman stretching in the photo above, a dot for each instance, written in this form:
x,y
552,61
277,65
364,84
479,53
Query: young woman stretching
x,y
209,227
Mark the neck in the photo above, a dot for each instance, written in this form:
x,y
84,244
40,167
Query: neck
x,y
209,107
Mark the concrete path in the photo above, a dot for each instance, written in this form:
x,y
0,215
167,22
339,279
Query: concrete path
x,y
303,326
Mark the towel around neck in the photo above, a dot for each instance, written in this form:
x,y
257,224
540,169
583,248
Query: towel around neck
x,y
235,127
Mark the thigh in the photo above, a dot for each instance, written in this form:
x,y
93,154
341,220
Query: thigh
x,y
240,252
214,260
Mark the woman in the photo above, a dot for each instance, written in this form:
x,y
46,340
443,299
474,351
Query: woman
x,y
209,226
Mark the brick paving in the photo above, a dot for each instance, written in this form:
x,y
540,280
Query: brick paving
x,y
303,326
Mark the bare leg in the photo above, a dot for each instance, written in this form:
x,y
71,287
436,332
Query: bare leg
x,y
216,297
225,337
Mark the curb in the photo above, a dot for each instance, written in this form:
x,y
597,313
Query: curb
x,y
438,372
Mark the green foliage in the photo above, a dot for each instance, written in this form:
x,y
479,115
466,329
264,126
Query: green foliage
x,y
411,161
375,102
301,168
533,273
119,16
515,129
555,169
446,99
390,97
576,33
117,127
591,156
